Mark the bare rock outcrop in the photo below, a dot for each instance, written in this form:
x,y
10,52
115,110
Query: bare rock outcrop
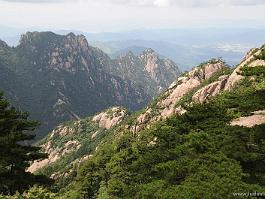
x,y
63,139
227,83
53,154
257,118
160,70
210,90
247,61
166,107
110,118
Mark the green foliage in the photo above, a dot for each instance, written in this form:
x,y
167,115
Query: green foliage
x,y
253,71
261,55
196,155
15,153
53,93
33,193
84,129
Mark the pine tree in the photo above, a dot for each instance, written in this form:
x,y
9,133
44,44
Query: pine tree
x,y
15,154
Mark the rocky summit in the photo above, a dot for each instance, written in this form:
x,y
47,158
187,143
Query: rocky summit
x,y
148,70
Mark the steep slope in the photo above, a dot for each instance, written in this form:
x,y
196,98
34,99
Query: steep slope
x,y
68,143
168,103
147,70
71,143
58,78
173,156
254,58
203,82
201,152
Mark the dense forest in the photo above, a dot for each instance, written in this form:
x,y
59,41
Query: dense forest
x,y
196,155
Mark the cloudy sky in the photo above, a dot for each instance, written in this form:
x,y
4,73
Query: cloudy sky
x,y
117,15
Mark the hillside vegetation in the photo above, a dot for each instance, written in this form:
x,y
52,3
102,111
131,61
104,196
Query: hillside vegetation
x,y
196,155
191,142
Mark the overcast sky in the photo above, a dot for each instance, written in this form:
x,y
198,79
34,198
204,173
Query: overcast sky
x,y
116,15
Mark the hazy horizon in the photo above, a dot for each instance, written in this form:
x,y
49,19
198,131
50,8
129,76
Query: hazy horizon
x,y
124,15
202,28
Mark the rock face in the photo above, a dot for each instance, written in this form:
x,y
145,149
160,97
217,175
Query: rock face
x,y
147,70
185,84
228,82
210,90
247,61
55,152
162,71
110,118
77,137
166,106
59,78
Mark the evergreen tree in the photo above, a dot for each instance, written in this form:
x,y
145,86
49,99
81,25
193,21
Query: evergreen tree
x,y
15,153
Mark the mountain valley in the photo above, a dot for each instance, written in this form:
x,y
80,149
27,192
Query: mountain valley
x,y
202,134
58,78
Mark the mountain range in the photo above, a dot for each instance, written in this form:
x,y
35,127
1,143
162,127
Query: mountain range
x,y
185,46
58,78
205,130
132,126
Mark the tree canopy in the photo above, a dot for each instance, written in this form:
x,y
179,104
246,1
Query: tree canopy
x,y
15,151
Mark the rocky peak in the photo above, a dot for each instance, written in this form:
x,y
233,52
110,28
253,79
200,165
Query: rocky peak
x,y
148,54
252,58
158,69
205,70
50,39
147,70
189,81
33,38
148,51
71,34
77,41
130,54
68,52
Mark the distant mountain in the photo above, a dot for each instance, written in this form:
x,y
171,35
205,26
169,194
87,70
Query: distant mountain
x,y
207,128
58,78
180,36
185,36
185,46
74,142
137,50
61,77
147,70
185,56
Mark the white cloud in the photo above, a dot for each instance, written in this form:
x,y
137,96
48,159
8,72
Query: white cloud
x,y
112,15
162,2
180,3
